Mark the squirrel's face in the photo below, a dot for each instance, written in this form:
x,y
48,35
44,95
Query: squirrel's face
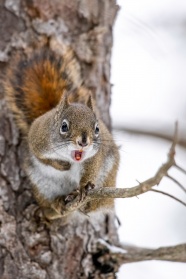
x,y
76,134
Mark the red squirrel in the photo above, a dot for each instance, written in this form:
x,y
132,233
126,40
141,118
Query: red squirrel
x,y
68,144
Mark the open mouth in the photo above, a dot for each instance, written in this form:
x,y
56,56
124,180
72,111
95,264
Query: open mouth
x,y
77,155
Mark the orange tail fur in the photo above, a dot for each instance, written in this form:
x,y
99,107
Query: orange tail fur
x,y
36,86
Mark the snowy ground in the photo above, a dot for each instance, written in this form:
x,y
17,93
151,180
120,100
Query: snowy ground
x,y
148,73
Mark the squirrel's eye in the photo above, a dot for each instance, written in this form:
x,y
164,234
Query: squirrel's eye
x,y
96,129
64,127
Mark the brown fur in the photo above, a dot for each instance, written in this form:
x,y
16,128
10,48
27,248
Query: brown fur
x,y
58,165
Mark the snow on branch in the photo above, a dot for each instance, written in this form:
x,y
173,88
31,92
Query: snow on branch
x,y
128,254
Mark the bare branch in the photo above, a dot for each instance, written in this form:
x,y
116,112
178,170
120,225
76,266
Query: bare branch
x,y
129,254
111,192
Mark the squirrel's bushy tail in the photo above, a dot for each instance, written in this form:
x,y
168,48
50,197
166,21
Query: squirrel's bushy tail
x,y
35,86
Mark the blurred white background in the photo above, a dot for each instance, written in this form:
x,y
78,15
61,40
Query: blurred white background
x,y
149,93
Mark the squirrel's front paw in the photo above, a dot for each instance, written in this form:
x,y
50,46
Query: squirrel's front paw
x,y
82,193
84,190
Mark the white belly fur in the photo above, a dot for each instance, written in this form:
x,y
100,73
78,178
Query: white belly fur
x,y
52,183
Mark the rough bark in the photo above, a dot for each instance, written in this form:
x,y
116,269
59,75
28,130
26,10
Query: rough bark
x,y
28,248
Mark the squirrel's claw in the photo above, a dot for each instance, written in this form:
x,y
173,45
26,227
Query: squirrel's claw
x,y
72,196
84,191
89,186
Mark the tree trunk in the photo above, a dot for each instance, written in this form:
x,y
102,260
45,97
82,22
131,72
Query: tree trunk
x,y
28,248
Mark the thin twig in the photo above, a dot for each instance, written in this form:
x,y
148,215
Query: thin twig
x,y
177,182
169,195
180,168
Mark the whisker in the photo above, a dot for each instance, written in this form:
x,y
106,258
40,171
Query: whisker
x,y
59,147
65,143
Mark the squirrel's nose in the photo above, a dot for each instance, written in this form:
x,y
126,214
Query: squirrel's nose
x,y
83,140
82,144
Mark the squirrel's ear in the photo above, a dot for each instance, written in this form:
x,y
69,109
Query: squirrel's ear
x,y
90,102
64,103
